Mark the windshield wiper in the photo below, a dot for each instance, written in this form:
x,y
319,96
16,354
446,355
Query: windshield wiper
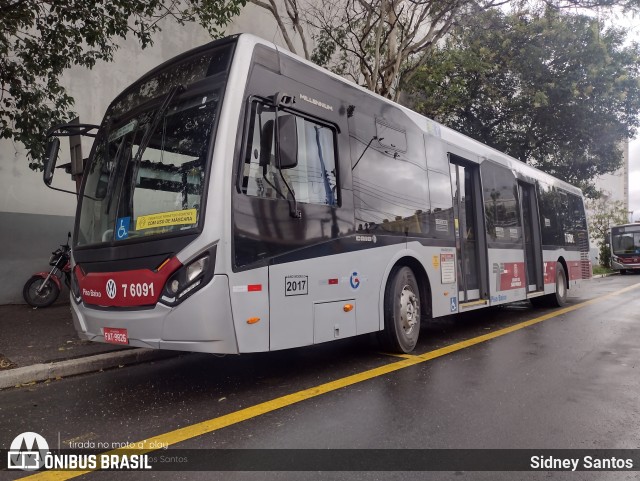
x,y
147,138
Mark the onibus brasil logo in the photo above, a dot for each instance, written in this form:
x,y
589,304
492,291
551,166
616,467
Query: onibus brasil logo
x,y
27,452
30,452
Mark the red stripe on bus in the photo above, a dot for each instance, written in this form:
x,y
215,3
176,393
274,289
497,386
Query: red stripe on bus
x,y
254,287
333,281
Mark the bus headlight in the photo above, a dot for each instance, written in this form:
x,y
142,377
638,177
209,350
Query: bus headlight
x,y
189,278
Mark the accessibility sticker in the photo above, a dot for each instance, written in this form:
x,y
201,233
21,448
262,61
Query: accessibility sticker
x,y
454,304
163,219
122,228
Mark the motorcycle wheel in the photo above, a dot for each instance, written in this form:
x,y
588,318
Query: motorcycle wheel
x,y
47,295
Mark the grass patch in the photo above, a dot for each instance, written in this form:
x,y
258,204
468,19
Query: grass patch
x,y
598,270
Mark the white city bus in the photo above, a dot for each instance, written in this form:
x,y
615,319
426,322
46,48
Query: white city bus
x,y
240,199
625,248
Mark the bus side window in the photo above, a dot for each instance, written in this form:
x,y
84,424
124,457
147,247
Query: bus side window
x,y
501,207
313,180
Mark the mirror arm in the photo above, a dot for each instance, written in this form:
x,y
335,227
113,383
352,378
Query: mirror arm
x,y
77,194
375,137
63,190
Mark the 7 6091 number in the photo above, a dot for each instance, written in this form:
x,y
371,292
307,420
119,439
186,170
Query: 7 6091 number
x,y
139,289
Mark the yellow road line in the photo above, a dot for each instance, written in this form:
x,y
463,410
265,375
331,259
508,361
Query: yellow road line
x,y
211,425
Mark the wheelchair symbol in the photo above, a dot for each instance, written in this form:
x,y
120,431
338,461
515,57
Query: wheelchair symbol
x,y
122,232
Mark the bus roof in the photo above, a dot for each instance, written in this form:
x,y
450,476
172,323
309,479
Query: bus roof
x,y
427,125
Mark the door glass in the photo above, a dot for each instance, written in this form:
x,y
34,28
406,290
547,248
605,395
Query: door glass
x,y
466,232
469,232
456,220
529,249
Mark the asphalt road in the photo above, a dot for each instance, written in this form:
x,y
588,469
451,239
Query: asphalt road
x,y
570,381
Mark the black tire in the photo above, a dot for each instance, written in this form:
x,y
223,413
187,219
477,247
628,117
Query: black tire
x,y
401,311
623,272
558,298
47,295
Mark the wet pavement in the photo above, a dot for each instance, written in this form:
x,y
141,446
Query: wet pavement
x,y
568,382
31,336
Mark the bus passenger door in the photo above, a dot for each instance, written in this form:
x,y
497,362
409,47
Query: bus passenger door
x,y
531,234
470,243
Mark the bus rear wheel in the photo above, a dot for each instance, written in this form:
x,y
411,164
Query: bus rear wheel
x,y
558,298
401,311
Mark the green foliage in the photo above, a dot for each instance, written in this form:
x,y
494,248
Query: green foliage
x,y
604,255
39,40
602,215
600,270
554,90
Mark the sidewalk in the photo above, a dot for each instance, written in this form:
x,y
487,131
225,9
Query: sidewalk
x,y
41,344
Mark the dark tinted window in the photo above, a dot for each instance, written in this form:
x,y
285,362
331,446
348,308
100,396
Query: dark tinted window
x,y
389,194
550,222
562,217
501,203
440,217
313,180
390,187
574,220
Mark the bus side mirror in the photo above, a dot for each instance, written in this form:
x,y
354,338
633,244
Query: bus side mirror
x,y
51,157
287,157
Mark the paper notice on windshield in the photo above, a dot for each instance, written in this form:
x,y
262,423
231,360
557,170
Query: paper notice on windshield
x,y
124,130
164,219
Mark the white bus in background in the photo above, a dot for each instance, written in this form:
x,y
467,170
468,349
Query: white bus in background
x,y
625,248
240,199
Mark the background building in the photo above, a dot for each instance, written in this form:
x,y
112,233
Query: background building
x,y
614,187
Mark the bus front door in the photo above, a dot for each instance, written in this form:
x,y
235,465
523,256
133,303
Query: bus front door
x,y
532,238
470,245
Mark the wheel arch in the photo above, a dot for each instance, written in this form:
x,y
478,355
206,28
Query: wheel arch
x,y
406,259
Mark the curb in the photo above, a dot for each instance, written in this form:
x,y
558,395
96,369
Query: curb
x,y
53,370
608,274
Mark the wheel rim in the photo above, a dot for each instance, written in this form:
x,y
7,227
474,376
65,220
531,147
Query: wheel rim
x,y
409,310
562,290
44,294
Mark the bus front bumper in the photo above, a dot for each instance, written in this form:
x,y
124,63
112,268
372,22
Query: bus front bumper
x,y
617,266
202,323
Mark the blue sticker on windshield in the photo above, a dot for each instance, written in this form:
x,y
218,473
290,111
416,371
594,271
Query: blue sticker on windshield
x,y
122,228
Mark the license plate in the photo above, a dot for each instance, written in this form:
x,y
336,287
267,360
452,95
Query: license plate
x,y
115,335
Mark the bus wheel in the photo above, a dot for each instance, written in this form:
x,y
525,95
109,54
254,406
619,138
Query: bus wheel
x,y
401,311
559,299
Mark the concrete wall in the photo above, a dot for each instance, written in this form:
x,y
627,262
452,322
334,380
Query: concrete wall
x,y
34,219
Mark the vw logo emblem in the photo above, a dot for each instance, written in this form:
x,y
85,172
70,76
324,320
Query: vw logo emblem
x,y
111,288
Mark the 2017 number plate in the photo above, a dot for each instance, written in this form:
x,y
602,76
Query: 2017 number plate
x,y
296,285
116,335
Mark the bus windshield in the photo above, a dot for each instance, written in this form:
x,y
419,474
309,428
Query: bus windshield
x,y
625,240
149,164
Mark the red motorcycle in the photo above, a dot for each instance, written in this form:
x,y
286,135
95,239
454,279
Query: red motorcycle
x,y
43,288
